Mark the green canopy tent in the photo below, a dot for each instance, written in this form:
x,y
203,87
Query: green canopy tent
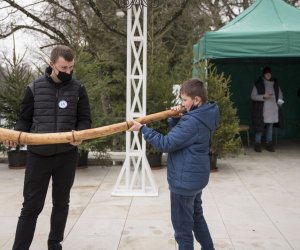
x,y
266,33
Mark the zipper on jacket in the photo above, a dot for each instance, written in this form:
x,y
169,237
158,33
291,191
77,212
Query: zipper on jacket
x,y
56,108
55,118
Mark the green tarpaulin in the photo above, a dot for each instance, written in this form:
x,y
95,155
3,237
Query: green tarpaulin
x,y
268,28
266,34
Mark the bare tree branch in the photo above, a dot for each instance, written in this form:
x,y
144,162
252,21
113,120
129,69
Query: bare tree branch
x,y
19,27
168,23
41,22
229,8
99,14
86,21
79,15
61,7
295,3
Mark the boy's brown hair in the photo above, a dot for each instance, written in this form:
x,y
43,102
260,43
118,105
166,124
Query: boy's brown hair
x,y
62,51
194,87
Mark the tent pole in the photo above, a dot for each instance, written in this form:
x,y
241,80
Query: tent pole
x,y
206,71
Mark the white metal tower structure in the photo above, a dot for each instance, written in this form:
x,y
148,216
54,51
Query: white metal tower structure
x,y
135,178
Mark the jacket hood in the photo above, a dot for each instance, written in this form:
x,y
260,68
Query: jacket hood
x,y
208,114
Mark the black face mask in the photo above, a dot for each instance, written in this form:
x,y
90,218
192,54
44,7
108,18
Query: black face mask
x,y
64,77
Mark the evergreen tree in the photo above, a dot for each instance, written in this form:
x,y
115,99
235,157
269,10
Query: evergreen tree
x,y
16,76
100,88
225,139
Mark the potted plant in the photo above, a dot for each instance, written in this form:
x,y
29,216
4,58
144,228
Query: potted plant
x,y
15,77
83,155
154,156
225,140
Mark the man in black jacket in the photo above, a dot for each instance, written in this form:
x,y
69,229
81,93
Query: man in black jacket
x,y
52,103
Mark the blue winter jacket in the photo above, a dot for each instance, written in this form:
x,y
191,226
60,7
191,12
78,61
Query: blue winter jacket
x,y
187,145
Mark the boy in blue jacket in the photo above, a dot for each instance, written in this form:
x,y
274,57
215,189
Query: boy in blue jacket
x,y
188,145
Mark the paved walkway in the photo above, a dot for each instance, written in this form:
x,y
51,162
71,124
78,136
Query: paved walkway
x,y
253,202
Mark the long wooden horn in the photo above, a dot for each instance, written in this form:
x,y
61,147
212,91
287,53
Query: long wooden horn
x,y
65,137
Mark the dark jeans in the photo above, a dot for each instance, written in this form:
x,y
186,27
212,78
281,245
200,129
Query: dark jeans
x,y
39,170
269,134
187,217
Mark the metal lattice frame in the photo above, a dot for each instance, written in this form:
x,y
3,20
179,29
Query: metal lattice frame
x,y
135,178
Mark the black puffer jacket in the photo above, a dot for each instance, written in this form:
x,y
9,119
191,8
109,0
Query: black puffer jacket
x,y
50,107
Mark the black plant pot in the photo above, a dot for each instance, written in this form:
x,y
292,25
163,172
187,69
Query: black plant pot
x,y
17,159
154,161
213,162
82,159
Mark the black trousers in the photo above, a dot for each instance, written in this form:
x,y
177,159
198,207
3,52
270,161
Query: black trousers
x,y
39,170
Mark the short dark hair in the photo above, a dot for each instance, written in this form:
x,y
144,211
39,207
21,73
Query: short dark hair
x,y
194,87
266,70
62,51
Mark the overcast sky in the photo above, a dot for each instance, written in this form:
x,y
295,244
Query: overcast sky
x,y
24,41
